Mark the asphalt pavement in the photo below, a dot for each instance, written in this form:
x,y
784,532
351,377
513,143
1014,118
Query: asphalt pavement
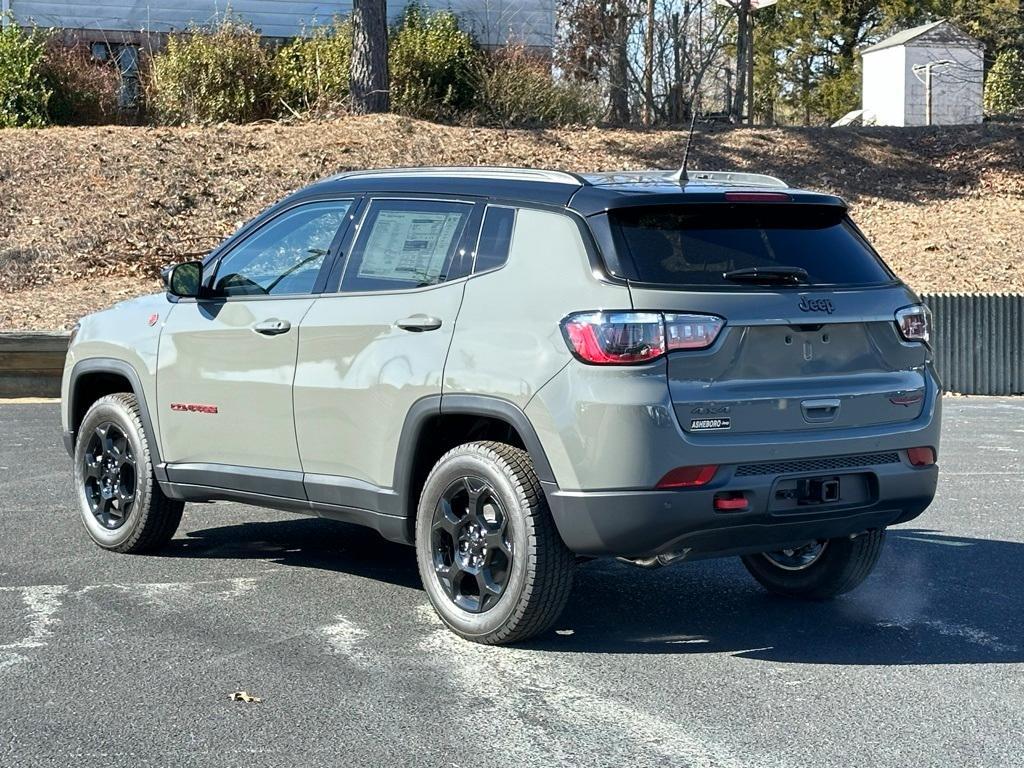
x,y
116,660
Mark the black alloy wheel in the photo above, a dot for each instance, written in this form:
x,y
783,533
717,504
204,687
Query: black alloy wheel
x,y
110,475
470,543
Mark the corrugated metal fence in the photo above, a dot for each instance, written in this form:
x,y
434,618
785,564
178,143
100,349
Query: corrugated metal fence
x,y
979,342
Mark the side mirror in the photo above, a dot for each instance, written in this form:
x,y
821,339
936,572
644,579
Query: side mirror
x,y
184,280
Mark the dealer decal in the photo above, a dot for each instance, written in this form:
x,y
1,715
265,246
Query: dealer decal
x,y
707,425
194,408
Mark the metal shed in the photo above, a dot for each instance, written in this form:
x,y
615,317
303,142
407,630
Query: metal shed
x,y
928,75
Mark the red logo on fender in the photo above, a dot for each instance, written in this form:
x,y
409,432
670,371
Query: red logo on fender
x,y
194,408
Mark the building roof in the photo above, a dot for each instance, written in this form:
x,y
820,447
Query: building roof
x,y
909,35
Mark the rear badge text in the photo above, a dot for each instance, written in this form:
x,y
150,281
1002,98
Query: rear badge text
x,y
707,425
816,305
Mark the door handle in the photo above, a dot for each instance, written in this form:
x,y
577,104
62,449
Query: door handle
x,y
272,327
419,323
820,410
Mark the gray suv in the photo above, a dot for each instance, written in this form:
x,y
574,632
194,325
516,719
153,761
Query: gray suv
x,y
514,370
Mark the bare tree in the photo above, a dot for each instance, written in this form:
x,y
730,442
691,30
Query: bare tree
x,y
368,81
618,64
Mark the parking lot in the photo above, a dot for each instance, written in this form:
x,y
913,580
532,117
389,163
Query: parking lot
x,y
114,660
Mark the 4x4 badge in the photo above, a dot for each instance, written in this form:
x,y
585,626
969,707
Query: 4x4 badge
x,y
816,305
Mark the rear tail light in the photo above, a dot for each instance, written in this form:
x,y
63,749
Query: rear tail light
x,y
625,338
921,457
688,477
915,323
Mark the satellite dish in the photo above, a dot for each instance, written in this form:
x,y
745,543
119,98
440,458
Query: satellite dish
x,y
755,5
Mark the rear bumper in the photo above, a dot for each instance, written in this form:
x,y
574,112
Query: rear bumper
x,y
646,523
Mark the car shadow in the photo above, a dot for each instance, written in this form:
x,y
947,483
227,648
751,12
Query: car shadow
x,y
305,542
933,598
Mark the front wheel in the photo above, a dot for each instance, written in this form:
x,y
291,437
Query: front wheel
x,y
819,570
492,563
121,504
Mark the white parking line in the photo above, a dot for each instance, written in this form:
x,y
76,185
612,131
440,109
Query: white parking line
x,y
42,604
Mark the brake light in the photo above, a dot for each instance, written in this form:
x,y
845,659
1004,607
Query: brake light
x,y
915,323
688,477
627,338
757,197
921,457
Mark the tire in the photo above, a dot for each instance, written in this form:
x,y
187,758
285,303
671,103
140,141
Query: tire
x,y
485,498
840,566
134,516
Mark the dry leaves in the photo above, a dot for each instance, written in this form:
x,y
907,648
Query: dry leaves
x,y
89,215
248,698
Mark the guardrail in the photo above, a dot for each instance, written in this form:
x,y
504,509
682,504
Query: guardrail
x,y
979,349
31,363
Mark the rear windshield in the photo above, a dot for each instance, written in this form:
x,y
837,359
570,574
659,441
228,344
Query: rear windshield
x,y
697,244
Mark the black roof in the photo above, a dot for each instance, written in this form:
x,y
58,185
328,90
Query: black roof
x,y
586,194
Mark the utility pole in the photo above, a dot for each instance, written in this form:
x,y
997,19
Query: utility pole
x,y
750,70
742,59
649,66
927,69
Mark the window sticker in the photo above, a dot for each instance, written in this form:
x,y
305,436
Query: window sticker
x,y
409,245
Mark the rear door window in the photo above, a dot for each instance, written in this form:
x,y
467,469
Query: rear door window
x,y
695,245
495,238
406,244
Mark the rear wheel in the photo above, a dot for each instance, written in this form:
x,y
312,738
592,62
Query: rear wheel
x,y
492,563
820,569
121,504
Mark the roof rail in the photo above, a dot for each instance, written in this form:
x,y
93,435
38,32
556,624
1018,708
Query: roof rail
x,y
738,178
475,172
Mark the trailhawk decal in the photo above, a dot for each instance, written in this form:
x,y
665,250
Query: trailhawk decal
x,y
194,408
704,425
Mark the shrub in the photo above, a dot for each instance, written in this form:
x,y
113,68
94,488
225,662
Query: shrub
x,y
84,91
514,87
431,62
1004,89
23,91
312,73
208,75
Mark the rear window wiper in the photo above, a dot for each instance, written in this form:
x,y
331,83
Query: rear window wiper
x,y
781,275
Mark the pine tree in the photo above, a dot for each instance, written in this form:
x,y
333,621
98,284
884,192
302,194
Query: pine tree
x,y
1004,88
368,84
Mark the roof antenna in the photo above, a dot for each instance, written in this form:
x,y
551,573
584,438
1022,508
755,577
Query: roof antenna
x,y
683,175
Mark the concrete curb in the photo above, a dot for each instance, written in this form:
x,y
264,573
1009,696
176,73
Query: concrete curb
x,y
31,363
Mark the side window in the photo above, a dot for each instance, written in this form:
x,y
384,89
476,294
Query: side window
x,y
284,257
406,244
495,238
